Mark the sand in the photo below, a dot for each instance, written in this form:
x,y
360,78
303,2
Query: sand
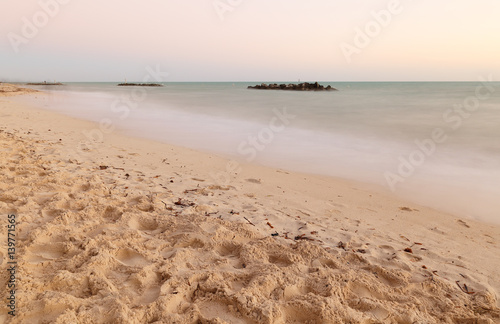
x,y
8,90
126,230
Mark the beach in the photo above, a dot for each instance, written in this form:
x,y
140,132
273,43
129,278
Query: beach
x,y
122,229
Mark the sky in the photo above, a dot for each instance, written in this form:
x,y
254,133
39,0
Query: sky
x,y
249,40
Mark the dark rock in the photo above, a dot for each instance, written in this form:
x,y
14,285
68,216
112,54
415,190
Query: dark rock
x,y
297,87
140,85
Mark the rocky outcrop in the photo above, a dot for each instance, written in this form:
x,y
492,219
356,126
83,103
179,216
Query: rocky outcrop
x,y
140,85
297,87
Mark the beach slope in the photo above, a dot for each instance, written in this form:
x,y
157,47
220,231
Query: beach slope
x,y
124,230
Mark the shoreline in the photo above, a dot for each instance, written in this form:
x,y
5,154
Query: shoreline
x,y
347,222
448,179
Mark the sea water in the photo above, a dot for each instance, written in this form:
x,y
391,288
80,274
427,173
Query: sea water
x,y
436,143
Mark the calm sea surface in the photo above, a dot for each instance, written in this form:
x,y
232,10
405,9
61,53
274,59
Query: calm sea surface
x,y
437,143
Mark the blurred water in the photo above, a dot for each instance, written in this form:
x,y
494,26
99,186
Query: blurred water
x,y
366,131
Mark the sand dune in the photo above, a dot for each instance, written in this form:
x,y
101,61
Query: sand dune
x,y
132,231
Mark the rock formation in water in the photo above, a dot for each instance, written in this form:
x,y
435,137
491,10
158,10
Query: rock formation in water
x,y
297,87
140,85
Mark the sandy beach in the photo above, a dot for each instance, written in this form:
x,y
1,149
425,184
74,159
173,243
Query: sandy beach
x,y
127,230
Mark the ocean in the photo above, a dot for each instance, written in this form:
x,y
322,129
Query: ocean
x,y
434,143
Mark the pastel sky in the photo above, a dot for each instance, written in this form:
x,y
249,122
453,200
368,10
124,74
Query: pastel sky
x,y
249,40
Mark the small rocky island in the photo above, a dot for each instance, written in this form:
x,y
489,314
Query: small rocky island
x,y
140,85
297,87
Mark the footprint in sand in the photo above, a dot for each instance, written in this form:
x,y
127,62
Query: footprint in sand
x,y
146,285
53,213
280,260
290,292
323,262
45,252
392,278
228,249
84,187
112,214
188,241
214,312
340,206
231,253
257,181
334,211
43,198
8,199
143,224
131,258
150,295
142,203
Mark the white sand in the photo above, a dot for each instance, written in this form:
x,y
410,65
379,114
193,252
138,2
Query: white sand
x,y
135,231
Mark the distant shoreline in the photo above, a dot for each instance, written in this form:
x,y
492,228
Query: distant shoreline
x,y
44,83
